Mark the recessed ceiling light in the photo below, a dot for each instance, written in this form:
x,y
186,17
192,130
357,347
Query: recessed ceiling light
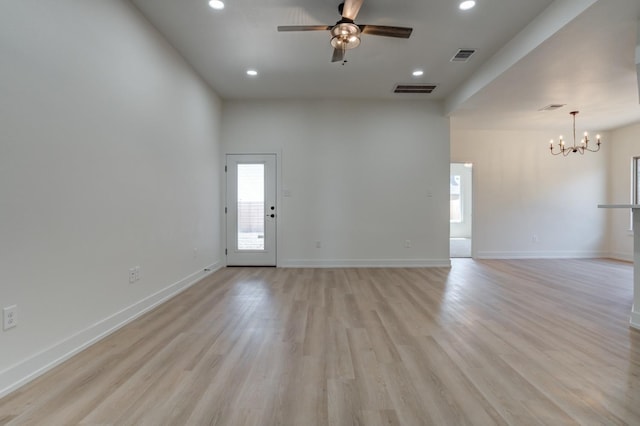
x,y
216,4
466,5
252,73
417,73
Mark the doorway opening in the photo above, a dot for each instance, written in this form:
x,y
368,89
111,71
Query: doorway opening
x,y
460,209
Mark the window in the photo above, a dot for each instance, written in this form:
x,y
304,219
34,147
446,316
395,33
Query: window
x,y
455,201
635,188
635,182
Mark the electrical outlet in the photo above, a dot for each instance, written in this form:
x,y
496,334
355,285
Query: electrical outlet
x,y
137,269
534,238
318,244
132,275
10,317
408,244
195,252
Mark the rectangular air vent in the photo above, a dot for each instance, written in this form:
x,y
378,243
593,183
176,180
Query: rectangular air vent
x,y
551,107
414,88
463,55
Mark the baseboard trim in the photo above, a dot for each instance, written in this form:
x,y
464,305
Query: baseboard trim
x,y
540,254
626,257
365,263
22,373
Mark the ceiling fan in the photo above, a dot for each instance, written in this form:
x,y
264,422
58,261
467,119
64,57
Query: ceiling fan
x,y
345,34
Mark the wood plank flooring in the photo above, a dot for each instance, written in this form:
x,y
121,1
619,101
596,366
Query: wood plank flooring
x,y
528,342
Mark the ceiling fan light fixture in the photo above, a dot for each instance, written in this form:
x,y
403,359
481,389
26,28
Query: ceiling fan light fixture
x,y
345,35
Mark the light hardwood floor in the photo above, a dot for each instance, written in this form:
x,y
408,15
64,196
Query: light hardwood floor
x,y
485,342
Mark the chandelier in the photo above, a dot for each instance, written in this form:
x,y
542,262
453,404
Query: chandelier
x,y
579,148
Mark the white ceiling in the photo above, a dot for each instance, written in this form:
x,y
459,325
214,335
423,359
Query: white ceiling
x,y
530,53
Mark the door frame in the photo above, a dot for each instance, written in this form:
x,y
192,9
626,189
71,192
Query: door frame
x,y
278,234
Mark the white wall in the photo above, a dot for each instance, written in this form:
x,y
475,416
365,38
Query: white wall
x,y
109,158
625,144
528,203
364,177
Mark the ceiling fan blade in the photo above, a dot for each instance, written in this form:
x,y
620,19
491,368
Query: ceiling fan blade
x,y
338,55
385,31
304,27
351,8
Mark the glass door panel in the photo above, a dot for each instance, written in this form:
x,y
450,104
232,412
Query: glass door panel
x,y
250,208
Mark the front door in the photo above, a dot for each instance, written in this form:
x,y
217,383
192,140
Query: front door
x,y
251,211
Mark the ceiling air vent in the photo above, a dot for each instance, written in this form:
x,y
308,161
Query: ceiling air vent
x,y
414,88
551,107
463,55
